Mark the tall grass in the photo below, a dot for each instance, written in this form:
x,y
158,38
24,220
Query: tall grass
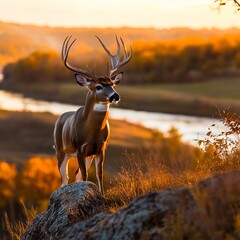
x,y
171,163
179,165
143,175
168,163
15,230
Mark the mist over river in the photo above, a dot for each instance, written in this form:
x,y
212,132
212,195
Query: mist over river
x,y
190,127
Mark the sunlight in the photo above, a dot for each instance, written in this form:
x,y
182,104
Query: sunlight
x,y
95,13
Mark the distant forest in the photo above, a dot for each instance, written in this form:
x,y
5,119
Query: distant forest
x,y
174,55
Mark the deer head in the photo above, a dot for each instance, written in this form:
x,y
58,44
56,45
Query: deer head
x,y
103,86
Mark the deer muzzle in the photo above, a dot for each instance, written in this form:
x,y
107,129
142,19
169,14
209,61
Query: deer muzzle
x,y
115,98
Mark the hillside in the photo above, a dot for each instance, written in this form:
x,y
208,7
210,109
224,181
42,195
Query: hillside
x,y
34,137
17,40
206,210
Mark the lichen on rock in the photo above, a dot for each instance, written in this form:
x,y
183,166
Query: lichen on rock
x,y
207,210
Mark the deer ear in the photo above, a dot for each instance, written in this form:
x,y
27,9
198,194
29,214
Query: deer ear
x,y
117,78
82,81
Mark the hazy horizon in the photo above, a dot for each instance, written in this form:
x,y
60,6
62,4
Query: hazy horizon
x,y
157,14
119,27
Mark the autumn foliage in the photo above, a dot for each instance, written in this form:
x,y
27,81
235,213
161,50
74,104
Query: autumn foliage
x,y
39,178
33,184
39,67
8,175
169,163
187,59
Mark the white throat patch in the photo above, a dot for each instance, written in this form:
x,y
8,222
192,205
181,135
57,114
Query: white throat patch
x,y
101,107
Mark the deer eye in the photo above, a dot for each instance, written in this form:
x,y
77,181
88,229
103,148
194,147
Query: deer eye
x,y
99,87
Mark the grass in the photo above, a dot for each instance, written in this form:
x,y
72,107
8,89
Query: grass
x,y
14,231
198,98
33,135
218,215
25,135
161,162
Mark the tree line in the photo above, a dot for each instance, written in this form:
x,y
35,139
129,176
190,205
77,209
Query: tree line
x,y
185,60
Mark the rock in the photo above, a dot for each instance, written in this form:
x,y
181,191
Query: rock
x,y
207,210
136,221
68,205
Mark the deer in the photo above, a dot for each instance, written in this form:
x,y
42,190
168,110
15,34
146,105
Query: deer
x,y
85,133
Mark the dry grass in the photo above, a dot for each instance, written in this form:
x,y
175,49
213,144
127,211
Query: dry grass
x,y
144,175
173,164
14,231
170,163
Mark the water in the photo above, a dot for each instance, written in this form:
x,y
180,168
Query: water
x,y
191,128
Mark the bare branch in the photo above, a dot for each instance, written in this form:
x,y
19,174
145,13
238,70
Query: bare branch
x,y
221,3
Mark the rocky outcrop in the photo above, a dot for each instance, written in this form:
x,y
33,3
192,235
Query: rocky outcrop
x,y
68,205
204,211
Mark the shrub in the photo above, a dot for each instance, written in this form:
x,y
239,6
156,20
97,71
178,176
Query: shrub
x,y
221,151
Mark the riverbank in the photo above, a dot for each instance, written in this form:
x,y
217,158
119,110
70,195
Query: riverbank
x,y
195,99
190,127
28,134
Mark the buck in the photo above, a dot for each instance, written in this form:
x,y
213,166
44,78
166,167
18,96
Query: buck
x,y
84,133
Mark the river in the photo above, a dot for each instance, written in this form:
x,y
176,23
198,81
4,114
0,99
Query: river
x,y
190,127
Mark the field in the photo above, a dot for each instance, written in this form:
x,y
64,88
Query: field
x,y
25,135
26,141
138,160
193,69
198,99
151,162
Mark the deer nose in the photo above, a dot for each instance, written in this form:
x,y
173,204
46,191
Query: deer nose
x,y
114,98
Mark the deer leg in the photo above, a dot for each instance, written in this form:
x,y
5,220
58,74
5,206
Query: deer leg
x,y
82,167
78,175
88,162
99,160
63,167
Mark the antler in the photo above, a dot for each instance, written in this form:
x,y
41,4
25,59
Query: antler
x,y
115,59
65,51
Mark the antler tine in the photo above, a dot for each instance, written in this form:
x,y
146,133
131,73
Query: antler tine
x,y
66,48
124,48
126,57
118,55
105,48
65,51
125,60
108,69
63,46
115,59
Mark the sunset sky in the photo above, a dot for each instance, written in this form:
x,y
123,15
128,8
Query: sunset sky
x,y
115,13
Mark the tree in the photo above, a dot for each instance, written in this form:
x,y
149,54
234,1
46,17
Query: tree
x,y
221,3
40,177
8,174
38,67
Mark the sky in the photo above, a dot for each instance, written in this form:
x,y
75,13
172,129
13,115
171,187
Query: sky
x,y
118,13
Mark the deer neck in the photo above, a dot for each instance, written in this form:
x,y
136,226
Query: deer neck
x,y
96,113
101,107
